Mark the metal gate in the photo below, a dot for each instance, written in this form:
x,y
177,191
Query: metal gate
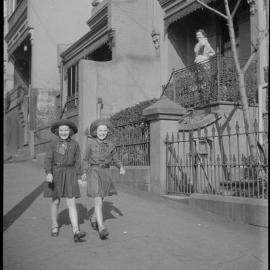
x,y
216,164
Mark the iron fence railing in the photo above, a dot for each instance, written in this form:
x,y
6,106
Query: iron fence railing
x,y
42,138
210,82
208,161
71,104
133,143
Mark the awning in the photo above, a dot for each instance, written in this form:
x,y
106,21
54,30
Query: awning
x,y
85,45
179,9
17,40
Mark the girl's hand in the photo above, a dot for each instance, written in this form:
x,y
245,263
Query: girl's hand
x,y
84,177
49,177
122,171
82,183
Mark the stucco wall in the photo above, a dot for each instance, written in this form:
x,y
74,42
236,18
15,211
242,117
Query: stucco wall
x,y
120,83
136,176
54,22
134,22
14,132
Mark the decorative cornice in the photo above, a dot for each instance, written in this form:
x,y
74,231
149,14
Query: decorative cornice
x,y
22,20
88,39
98,18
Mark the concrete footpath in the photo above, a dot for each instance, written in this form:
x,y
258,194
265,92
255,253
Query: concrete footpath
x,y
147,232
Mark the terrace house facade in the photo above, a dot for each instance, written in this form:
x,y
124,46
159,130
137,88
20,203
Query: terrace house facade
x,y
35,32
116,64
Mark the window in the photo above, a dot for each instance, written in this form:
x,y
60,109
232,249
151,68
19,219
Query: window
x,y
73,82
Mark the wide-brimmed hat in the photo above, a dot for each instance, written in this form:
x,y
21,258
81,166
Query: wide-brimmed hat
x,y
98,122
63,122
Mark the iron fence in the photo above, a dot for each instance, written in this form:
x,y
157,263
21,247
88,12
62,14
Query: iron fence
x,y
217,163
42,138
132,143
210,82
71,104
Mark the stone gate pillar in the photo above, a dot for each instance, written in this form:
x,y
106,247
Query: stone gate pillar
x,y
163,116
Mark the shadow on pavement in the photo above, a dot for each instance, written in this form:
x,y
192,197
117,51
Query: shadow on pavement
x,y
108,208
63,217
18,209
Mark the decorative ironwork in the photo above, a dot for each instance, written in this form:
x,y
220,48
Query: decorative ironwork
x,y
208,161
210,82
72,103
133,143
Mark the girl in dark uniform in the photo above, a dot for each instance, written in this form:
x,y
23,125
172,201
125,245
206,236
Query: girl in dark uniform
x,y
99,155
62,166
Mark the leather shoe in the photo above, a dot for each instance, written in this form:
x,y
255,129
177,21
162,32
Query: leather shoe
x,y
103,234
78,236
54,231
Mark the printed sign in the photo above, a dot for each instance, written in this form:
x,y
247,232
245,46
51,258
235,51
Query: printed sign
x,y
45,107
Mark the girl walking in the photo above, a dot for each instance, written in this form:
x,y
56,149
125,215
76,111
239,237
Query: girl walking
x,y
98,157
62,166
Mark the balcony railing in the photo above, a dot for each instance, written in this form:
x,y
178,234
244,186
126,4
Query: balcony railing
x,y
211,82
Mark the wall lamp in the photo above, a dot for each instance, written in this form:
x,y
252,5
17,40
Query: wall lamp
x,y
155,37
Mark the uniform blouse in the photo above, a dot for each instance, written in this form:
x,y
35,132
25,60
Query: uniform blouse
x,y
63,153
100,152
203,50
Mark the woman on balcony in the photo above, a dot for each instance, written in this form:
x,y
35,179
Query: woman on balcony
x,y
202,49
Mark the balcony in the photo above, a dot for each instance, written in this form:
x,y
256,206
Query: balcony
x,y
215,81
17,27
19,12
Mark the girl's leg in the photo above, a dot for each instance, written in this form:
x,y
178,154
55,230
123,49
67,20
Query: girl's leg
x,y
93,217
73,215
103,233
54,212
93,220
98,212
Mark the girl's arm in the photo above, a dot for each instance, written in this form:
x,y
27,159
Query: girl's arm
x,y
115,158
78,161
48,161
86,157
209,50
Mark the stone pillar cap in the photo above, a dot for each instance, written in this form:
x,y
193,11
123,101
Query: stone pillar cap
x,y
164,106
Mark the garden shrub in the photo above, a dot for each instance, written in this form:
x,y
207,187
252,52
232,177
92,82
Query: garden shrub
x,y
131,114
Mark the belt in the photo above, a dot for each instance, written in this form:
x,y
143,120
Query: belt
x,y
63,165
100,165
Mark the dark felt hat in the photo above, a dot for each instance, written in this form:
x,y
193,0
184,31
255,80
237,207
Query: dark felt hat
x,y
98,122
63,122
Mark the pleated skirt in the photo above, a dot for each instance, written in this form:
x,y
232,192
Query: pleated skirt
x,y
65,184
99,182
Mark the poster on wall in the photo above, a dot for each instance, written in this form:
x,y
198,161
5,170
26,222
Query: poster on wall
x,y
45,107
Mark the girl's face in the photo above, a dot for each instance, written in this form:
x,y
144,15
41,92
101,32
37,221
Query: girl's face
x,y
64,132
199,35
102,132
